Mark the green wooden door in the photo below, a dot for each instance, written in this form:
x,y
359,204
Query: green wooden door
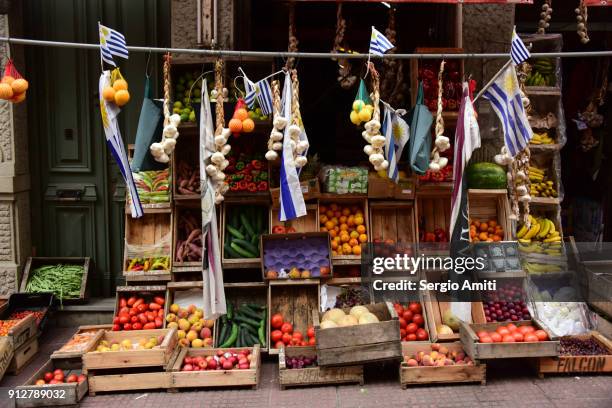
x,y
77,192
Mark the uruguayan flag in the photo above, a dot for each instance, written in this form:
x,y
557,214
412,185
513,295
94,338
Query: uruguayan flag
x,y
518,51
379,44
505,97
292,203
112,42
260,90
396,133
251,92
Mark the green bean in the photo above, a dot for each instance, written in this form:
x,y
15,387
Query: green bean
x,y
64,281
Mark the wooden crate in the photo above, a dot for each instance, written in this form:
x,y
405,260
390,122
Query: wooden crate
x,y
189,153
160,356
6,355
27,303
311,190
22,332
432,210
599,282
548,160
147,292
35,262
379,187
250,293
314,376
128,381
320,237
149,230
23,355
485,351
392,220
215,378
307,223
241,262
179,210
295,301
578,364
51,395
74,355
350,200
435,309
405,188
485,205
438,375
361,343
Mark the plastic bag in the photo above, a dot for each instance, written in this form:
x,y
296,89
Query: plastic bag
x,y
14,86
362,105
153,186
344,180
421,120
150,257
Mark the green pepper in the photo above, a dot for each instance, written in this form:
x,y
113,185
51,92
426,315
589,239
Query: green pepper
x,y
239,165
263,175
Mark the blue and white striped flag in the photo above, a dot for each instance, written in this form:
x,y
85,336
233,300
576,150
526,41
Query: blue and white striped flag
x,y
518,50
260,90
379,44
390,152
109,113
251,93
112,42
292,203
505,97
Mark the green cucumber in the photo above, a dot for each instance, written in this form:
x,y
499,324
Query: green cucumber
x,y
230,311
233,219
246,245
236,233
254,339
262,334
248,312
248,328
241,251
232,338
255,307
255,241
229,252
247,225
248,321
223,334
239,339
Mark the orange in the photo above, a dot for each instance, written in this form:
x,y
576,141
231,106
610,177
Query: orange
x,y
108,93
361,229
323,219
8,79
329,213
120,85
329,225
353,242
358,220
342,219
363,238
354,234
323,229
334,253
347,248
18,97
343,227
248,125
484,226
346,211
122,97
357,250
6,92
344,238
241,114
235,125
322,209
358,212
334,220
350,221
492,223
19,85
334,245
334,207
333,233
337,214
483,236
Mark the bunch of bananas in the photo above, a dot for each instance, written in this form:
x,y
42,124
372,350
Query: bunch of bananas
x,y
541,186
541,229
542,73
541,138
536,268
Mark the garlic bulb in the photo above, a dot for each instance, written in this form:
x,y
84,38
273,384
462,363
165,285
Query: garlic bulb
x,y
271,155
279,122
220,140
368,149
300,161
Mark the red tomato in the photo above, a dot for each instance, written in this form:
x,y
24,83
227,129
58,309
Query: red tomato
x,y
123,319
276,321
116,327
276,335
531,338
415,307
418,320
286,338
486,339
508,338
297,335
402,323
127,326
503,331
133,312
303,343
496,337
123,310
59,377
407,315
398,308
58,371
312,341
72,378
142,307
541,334
287,328
143,318
402,333
122,302
48,377
150,316
159,300
523,330
310,332
148,326
411,328
482,333
137,326
134,319
158,322
411,337
138,301
518,336
530,329
160,313
154,306
511,327
131,301
279,344
421,335
82,378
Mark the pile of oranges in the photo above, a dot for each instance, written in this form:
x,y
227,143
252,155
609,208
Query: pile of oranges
x,y
486,231
346,227
240,121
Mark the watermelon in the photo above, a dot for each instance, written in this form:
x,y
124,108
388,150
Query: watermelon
x,y
486,175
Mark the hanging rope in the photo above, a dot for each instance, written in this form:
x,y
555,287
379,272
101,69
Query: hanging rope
x,y
219,119
439,118
295,99
293,41
167,86
392,86
375,95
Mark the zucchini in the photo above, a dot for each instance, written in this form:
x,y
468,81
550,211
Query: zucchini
x,y
229,252
247,225
246,245
232,338
248,321
253,339
239,339
242,252
248,328
234,232
248,312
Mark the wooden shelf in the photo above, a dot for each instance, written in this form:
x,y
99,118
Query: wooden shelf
x,y
545,147
487,192
336,261
166,209
426,187
186,197
543,91
242,263
289,282
339,197
545,201
245,285
344,281
187,268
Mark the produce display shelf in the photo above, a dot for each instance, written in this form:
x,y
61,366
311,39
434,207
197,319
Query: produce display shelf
x,y
23,356
545,200
128,380
314,376
543,90
545,147
6,355
75,356
343,281
246,263
161,208
35,262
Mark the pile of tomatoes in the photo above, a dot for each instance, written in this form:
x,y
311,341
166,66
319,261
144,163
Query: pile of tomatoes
x,y
38,315
283,335
137,314
412,322
59,377
512,333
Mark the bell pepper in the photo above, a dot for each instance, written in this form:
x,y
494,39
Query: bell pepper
x,y
233,186
239,165
248,177
252,187
263,175
242,185
262,186
257,164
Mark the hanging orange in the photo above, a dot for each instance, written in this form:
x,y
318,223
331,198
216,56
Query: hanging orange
x,y
122,97
120,84
241,114
20,97
235,125
6,92
108,93
248,125
7,79
19,85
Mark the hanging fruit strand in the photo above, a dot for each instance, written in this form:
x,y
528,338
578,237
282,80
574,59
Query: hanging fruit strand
x,y
275,142
295,130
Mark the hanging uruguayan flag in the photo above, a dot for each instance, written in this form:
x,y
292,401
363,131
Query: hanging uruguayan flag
x,y
292,203
264,96
518,50
505,97
109,113
112,42
396,132
379,44
251,92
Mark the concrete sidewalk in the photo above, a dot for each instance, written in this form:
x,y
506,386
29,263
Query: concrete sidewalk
x,y
508,385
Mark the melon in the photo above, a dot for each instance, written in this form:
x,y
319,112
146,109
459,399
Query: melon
x,y
486,175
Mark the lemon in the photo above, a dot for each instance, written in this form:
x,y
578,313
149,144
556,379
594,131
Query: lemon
x,y
355,118
365,115
358,105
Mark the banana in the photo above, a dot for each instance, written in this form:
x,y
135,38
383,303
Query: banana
x,y
524,241
553,239
535,228
545,228
521,232
552,229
